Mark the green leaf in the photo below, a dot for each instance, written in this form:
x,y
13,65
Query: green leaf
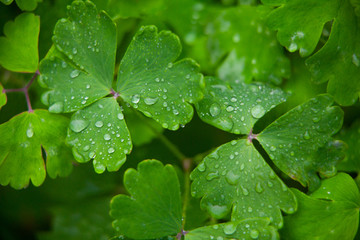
x,y
351,136
236,108
133,9
99,132
253,228
19,47
339,60
336,204
6,2
250,50
88,40
236,178
27,5
293,139
87,220
21,143
356,5
154,208
3,98
300,22
153,83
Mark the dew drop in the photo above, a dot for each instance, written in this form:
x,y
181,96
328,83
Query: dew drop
x,y
355,60
92,155
316,119
257,111
215,109
254,234
170,65
30,132
258,188
120,116
245,191
201,167
229,228
212,176
74,73
230,108
88,86
150,101
135,99
74,50
57,107
86,148
306,135
232,178
78,125
99,124
272,148
107,137
111,150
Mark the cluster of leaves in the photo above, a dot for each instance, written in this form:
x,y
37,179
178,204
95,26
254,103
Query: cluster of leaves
x,y
107,93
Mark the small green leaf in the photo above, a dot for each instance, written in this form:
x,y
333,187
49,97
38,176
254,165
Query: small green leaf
x,y
335,218
27,5
351,136
300,22
150,80
339,60
250,50
87,220
236,108
3,98
253,228
154,208
21,143
99,132
87,40
235,177
293,139
6,2
19,47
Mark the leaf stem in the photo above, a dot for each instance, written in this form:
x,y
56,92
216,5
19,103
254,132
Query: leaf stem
x,y
187,163
25,90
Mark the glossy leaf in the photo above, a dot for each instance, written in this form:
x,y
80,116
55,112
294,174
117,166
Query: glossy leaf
x,y
249,229
250,50
339,60
293,139
6,2
19,47
87,40
236,178
351,136
21,143
300,22
153,83
3,98
336,203
154,208
236,108
73,222
27,5
99,132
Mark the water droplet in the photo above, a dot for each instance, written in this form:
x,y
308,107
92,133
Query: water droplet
x,y
293,46
270,184
88,86
201,167
272,148
92,155
254,234
57,107
74,73
78,125
236,38
355,60
86,148
232,178
230,108
175,112
316,119
99,124
170,65
74,51
258,188
107,137
217,210
215,109
272,175
30,132
219,238
212,176
120,116
233,99
257,111
150,101
135,99
306,135
242,166
111,150
229,228
250,209
245,191
292,153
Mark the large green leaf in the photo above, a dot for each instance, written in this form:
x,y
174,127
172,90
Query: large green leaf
x,y
19,47
99,132
153,83
250,50
236,178
3,98
21,143
154,208
351,136
330,213
87,40
293,140
300,22
339,60
236,107
252,228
